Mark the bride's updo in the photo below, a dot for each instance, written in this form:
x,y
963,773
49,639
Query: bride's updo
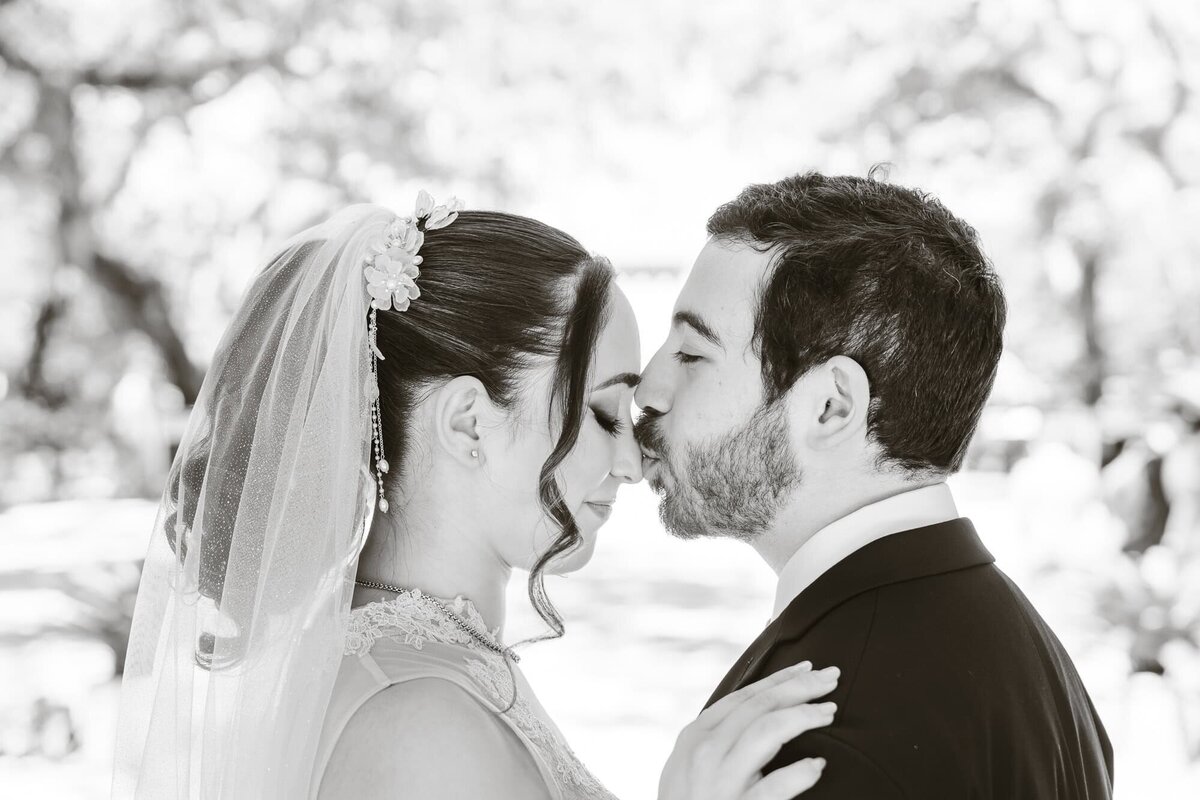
x,y
499,293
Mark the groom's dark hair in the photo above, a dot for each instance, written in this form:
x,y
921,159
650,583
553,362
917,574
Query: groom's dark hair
x,y
889,277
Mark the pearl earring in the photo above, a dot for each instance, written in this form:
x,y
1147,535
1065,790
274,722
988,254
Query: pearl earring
x,y
474,454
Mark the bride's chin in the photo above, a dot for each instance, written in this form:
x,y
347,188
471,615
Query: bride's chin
x,y
575,560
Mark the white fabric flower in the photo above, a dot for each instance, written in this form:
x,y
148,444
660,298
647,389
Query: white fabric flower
x,y
391,279
410,238
441,216
424,204
391,268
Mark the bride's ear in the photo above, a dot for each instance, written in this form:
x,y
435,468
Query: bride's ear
x,y
460,409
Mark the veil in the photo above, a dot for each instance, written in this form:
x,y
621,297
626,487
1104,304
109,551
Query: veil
x,y
245,595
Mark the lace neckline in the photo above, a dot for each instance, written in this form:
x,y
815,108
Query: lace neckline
x,y
413,620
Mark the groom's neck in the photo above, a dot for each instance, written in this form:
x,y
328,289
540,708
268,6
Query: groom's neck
x,y
814,507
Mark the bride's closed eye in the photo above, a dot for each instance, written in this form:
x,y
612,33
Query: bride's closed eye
x,y
611,424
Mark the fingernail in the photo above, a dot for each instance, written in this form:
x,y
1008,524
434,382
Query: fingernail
x,y
819,763
831,672
803,665
828,708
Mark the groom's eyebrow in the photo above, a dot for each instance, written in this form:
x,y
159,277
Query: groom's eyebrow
x,y
693,321
630,379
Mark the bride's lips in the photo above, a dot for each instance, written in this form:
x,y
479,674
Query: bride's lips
x,y
602,509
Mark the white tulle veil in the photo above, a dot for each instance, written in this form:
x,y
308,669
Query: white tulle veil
x,y
245,595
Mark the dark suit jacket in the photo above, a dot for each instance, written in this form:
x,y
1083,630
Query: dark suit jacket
x,y
952,685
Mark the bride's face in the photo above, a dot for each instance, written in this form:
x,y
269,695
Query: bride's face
x,y
604,457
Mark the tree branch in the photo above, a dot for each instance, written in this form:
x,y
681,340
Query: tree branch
x,y
187,79
122,175
1153,137
151,78
148,79
17,61
182,80
146,305
32,381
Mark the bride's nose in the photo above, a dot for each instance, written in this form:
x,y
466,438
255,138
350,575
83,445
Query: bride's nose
x,y
627,458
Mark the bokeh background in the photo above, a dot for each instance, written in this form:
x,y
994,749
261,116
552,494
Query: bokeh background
x,y
153,151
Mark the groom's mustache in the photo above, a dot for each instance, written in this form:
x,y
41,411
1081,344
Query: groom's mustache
x,y
649,436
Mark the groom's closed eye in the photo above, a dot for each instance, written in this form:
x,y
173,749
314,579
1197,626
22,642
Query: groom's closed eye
x,y
696,323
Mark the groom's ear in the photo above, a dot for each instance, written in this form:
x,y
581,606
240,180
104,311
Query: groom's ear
x,y
839,397
460,408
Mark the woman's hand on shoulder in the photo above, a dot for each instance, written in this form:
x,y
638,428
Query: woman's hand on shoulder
x,y
721,754
429,738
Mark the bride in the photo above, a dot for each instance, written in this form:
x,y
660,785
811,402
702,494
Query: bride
x,y
403,410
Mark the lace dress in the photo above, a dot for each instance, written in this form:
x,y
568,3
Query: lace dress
x,y
406,639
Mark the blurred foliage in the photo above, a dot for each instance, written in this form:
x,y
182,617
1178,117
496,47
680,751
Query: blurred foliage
x,y
150,152
1156,597
100,600
1146,606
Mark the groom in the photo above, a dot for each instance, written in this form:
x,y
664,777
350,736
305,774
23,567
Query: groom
x,y
828,360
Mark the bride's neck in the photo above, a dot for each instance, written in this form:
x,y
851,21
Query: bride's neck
x,y
438,553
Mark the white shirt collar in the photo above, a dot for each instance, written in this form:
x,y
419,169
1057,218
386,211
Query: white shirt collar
x,y
917,508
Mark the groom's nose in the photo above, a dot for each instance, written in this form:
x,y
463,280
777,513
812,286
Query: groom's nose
x,y
653,394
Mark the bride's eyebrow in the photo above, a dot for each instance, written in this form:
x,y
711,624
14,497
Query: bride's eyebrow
x,y
630,379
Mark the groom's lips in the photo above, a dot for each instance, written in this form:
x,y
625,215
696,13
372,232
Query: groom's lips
x,y
650,463
648,435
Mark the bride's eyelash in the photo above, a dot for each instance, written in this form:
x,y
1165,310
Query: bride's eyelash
x,y
685,358
610,424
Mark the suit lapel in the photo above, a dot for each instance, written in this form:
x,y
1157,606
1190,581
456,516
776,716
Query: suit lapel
x,y
918,553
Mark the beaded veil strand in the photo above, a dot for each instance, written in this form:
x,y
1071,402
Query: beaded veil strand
x,y
245,595
391,270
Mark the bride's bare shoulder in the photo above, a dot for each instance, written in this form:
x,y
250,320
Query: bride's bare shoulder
x,y
429,738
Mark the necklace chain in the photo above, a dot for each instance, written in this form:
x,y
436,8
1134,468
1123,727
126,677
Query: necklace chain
x,y
484,639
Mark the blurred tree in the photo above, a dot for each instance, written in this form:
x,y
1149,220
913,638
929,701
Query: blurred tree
x,y
51,52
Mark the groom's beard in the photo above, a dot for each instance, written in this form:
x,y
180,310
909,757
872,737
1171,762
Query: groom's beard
x,y
731,485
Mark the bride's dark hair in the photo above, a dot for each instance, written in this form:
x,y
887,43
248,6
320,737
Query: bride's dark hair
x,y
500,292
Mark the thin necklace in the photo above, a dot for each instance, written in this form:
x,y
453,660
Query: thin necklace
x,y
484,639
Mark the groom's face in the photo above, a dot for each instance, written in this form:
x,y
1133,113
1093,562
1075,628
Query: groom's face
x,y
721,461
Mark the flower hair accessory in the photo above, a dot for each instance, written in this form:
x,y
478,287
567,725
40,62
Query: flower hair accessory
x,y
391,268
